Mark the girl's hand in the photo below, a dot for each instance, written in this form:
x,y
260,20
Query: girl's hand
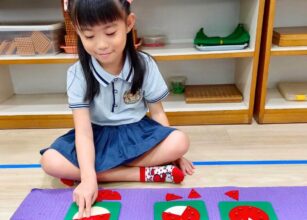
x,y
85,195
185,165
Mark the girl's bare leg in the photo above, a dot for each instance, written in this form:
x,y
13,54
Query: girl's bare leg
x,y
55,164
171,149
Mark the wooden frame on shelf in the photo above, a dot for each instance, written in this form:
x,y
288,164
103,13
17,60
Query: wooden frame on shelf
x,y
270,114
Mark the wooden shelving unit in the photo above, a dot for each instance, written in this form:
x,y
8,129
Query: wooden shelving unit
x,y
280,64
183,51
26,104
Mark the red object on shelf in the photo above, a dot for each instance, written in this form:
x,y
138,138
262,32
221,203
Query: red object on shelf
x,y
234,194
194,195
171,197
154,45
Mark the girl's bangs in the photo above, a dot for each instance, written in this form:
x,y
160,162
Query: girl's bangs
x,y
93,12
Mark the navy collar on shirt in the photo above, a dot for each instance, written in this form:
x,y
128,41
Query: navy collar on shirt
x,y
105,78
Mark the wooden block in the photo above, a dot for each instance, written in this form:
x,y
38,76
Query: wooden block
x,y
4,46
290,36
212,93
25,46
293,91
41,42
11,48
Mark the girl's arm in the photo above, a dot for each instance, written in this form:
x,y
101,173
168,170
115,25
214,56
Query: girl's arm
x,y
157,113
86,192
84,143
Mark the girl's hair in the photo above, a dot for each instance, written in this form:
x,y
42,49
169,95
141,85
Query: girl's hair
x,y
86,13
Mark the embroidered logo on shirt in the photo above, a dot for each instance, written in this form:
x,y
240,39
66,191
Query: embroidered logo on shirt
x,y
130,98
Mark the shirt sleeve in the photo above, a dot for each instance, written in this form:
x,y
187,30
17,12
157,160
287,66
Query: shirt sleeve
x,y
76,87
154,86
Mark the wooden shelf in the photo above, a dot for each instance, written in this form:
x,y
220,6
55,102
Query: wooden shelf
x,y
276,101
288,51
186,51
278,116
46,104
53,104
279,110
51,110
270,106
47,59
179,51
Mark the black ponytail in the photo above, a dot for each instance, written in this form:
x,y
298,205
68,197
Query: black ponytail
x,y
92,85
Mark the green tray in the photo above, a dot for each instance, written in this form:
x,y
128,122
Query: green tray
x,y
238,37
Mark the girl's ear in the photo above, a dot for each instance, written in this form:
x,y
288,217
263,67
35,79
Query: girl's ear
x,y
130,22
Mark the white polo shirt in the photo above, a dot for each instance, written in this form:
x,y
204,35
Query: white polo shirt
x,y
115,105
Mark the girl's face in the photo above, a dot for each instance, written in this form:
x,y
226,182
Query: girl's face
x,y
106,42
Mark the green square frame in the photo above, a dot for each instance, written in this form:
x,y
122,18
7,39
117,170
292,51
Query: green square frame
x,y
226,207
113,207
160,207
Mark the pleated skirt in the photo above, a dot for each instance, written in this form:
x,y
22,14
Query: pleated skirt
x,y
115,145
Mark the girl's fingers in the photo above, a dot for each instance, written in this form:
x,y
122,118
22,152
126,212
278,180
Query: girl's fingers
x,y
88,206
94,197
81,207
76,198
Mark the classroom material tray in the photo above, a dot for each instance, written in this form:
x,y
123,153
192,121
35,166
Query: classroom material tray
x,y
290,36
212,93
30,39
293,91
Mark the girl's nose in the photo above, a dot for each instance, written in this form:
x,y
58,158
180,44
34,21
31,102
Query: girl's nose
x,y
102,45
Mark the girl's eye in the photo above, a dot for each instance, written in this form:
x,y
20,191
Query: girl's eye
x,y
111,33
89,37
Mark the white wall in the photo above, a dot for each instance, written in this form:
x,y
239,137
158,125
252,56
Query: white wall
x,y
6,87
30,10
290,13
181,19
287,68
212,71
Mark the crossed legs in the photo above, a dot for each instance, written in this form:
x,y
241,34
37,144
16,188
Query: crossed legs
x,y
169,150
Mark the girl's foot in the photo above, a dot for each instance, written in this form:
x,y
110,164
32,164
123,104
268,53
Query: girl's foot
x,y
167,173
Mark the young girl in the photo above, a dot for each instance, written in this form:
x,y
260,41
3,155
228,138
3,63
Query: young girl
x,y
109,91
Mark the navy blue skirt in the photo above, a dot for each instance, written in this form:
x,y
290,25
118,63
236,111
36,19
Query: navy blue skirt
x,y
115,145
